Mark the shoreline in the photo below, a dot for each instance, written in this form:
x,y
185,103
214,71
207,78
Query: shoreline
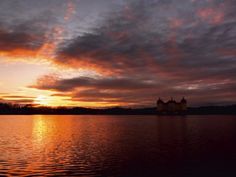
x,y
7,109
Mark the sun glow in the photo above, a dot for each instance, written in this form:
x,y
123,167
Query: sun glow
x,y
52,101
42,100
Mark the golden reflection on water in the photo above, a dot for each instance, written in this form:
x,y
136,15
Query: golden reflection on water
x,y
51,142
40,130
45,128
50,130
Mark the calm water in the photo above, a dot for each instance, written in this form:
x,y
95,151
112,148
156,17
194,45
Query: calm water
x,y
122,146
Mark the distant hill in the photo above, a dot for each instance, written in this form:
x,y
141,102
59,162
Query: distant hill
x,y
28,109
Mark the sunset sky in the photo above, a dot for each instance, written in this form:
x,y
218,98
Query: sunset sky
x,y
98,53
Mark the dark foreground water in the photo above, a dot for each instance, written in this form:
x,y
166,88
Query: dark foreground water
x,y
122,146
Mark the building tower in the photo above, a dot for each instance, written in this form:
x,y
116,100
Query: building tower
x,y
160,105
183,104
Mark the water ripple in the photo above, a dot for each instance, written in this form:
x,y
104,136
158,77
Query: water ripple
x,y
115,146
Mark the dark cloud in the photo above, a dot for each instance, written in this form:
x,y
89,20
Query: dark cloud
x,y
23,38
53,83
127,91
30,25
15,40
145,37
180,47
196,94
17,97
21,101
141,49
27,26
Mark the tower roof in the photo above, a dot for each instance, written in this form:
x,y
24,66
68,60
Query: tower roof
x,y
160,101
183,100
171,100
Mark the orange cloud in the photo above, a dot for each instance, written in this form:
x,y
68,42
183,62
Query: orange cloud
x,y
18,45
227,52
176,23
17,54
69,11
211,15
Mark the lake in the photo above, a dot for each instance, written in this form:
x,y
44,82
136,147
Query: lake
x,y
117,146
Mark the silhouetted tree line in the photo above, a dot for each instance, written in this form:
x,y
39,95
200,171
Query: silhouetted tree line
x,y
6,108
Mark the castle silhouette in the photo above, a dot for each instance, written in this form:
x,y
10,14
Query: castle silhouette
x,y
171,106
